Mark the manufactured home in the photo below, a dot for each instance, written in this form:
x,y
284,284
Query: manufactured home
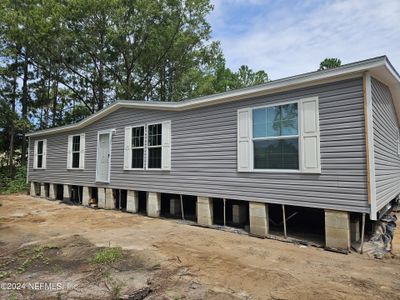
x,y
320,148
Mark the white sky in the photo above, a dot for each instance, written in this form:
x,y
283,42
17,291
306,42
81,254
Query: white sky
x,y
286,38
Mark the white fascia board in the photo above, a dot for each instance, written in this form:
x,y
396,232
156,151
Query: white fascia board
x,y
308,79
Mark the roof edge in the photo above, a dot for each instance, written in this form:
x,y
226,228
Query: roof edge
x,y
307,79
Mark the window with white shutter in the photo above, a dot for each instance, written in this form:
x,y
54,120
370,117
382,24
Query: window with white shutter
x,y
279,137
40,154
76,151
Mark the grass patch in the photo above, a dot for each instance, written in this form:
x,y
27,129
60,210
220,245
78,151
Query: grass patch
x,y
4,274
56,269
37,255
25,265
107,256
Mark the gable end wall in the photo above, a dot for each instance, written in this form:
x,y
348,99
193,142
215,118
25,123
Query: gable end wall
x,y
386,135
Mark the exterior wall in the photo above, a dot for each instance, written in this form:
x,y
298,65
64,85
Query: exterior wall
x,y
386,135
204,158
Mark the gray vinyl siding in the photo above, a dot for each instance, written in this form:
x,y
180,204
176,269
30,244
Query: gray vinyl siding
x,y
386,135
204,161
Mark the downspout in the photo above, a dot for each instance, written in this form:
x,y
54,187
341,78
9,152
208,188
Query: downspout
x,y
369,143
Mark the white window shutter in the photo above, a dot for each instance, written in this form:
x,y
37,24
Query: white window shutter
x,y
310,140
244,155
146,148
69,152
82,152
35,155
166,146
127,148
44,159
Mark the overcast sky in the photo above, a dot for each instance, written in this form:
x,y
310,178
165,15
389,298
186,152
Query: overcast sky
x,y
291,37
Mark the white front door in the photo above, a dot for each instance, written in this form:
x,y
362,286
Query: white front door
x,y
103,157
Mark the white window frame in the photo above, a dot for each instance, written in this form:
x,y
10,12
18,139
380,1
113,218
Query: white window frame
x,y
298,136
110,134
165,146
70,164
36,154
144,147
152,147
309,137
79,152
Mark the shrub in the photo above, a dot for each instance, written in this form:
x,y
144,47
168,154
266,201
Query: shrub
x,y
17,184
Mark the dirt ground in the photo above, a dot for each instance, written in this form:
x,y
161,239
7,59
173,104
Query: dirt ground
x,y
44,241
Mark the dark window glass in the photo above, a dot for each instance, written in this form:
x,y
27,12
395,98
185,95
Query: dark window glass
x,y
155,135
75,159
137,158
137,137
154,144
276,154
40,161
137,147
40,154
40,148
76,146
154,158
76,141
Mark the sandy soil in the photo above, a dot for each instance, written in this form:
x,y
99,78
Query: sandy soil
x,y
169,260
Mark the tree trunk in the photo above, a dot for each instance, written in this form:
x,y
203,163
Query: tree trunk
x,y
14,99
55,89
100,104
162,84
24,103
41,119
11,157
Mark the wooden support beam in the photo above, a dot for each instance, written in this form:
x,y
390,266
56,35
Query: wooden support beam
x,y
119,200
224,212
182,211
284,221
362,233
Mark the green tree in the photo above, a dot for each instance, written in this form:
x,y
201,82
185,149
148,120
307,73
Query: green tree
x,y
329,63
246,77
63,60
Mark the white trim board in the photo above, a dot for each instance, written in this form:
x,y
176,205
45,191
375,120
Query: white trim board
x,y
370,145
379,67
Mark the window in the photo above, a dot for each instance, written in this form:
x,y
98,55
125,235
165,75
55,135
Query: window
x,y
40,154
39,157
76,141
76,151
282,137
137,147
154,146
276,137
148,147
